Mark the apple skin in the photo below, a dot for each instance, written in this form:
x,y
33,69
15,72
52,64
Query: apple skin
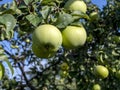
x,y
101,71
96,87
47,37
41,53
94,16
73,37
76,5
64,66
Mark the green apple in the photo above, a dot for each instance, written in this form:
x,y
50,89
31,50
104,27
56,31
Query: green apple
x,y
73,37
27,40
101,71
40,52
47,37
76,5
96,87
94,16
64,66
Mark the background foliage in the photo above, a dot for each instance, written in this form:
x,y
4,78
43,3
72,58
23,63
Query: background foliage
x,y
19,19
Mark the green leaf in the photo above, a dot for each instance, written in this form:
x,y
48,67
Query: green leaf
x,y
3,57
3,7
27,2
10,66
2,70
45,11
116,39
48,2
78,15
79,24
9,11
1,51
116,52
9,21
9,34
34,19
6,35
12,10
0,47
2,37
64,20
14,46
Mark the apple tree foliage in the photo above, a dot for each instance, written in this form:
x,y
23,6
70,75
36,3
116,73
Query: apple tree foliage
x,y
72,69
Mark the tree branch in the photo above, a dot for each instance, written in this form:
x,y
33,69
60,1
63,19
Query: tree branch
x,y
41,73
19,65
24,75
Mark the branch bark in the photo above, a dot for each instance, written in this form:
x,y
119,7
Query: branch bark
x,y
24,75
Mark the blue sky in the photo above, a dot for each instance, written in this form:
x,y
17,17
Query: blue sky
x,y
99,3
5,1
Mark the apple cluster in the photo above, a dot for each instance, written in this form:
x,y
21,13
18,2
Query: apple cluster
x,y
47,38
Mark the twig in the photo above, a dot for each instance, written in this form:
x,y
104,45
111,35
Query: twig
x,y
41,73
24,75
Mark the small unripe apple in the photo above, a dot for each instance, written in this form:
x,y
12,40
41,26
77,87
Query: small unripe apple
x,y
76,5
94,16
74,36
27,40
96,87
64,66
101,71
